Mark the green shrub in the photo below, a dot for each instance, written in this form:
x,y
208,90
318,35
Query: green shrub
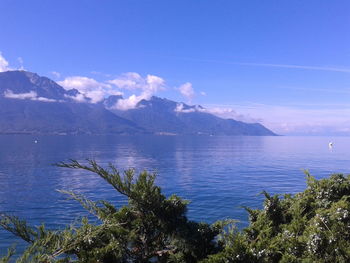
x,y
150,228
311,226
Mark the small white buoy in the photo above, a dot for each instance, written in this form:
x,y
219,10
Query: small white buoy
x,y
35,141
330,144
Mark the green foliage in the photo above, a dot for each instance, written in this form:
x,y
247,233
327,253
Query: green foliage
x,y
150,228
10,253
311,226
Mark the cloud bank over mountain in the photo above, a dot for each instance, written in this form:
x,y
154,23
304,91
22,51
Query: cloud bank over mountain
x,y
295,119
146,87
29,103
131,85
31,95
138,88
90,88
187,91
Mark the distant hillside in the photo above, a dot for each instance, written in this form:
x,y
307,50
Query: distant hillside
x,y
164,116
33,104
37,105
21,82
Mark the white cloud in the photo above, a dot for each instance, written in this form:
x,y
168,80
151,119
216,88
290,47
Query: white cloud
x,y
21,96
20,61
44,99
222,112
32,95
226,113
154,83
4,65
129,81
180,109
82,84
132,81
203,93
187,91
129,103
95,91
88,87
124,84
56,74
78,98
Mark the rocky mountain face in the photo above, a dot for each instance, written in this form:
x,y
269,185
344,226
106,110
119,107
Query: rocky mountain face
x,y
37,105
22,82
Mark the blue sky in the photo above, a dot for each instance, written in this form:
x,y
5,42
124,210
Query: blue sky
x,y
284,63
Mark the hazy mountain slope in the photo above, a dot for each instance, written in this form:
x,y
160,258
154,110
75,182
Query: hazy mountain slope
x,y
209,124
25,116
33,104
20,82
160,116
156,115
63,115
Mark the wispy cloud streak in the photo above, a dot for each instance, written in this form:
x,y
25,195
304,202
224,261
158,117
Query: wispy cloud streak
x,y
320,68
271,65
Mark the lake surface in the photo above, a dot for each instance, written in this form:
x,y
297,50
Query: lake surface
x,y
218,174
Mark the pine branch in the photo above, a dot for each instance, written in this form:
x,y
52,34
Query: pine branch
x,y
18,227
10,252
126,185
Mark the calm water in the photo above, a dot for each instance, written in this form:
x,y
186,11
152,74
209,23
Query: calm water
x,y
218,174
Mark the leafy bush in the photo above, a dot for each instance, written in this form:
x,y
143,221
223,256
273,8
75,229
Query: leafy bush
x,y
311,226
150,228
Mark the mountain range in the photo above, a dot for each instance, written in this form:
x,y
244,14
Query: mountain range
x,y
31,104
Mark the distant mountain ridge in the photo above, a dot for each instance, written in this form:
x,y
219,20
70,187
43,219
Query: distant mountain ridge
x,y
166,116
38,105
20,82
32,104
